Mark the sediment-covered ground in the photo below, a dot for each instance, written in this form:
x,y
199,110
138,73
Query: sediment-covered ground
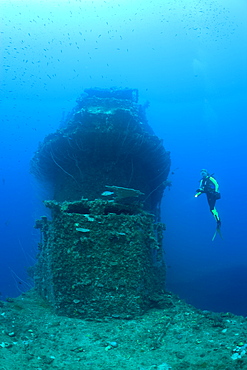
x,y
178,337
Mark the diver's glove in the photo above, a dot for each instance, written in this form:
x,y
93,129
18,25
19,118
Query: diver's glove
x,y
199,192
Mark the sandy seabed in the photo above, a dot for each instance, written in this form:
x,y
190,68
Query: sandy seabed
x,y
178,337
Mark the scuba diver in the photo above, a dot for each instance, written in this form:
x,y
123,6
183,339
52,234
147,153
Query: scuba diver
x,y
210,187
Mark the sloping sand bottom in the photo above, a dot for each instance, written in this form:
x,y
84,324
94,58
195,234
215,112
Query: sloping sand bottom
x,y
179,337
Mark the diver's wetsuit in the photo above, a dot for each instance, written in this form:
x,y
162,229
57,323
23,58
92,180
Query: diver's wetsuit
x,y
210,187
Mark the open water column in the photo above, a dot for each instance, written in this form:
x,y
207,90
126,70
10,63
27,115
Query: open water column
x,y
100,254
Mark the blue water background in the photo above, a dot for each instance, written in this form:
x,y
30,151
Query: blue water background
x,y
188,59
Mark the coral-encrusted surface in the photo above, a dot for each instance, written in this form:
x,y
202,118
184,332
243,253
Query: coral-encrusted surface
x,y
106,141
100,258
103,257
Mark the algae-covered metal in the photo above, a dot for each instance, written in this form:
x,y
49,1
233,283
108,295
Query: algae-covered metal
x,y
100,258
105,141
101,253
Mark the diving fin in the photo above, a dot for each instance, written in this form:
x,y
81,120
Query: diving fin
x,y
217,231
214,235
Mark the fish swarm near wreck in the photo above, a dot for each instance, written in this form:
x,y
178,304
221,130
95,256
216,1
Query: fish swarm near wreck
x,y
101,254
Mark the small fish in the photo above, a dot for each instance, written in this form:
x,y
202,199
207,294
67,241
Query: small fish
x,y
107,193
